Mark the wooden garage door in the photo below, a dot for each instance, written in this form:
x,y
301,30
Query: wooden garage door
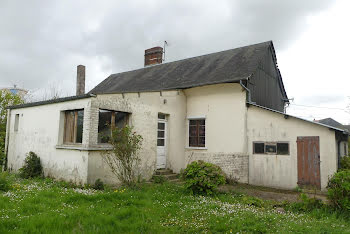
x,y
309,161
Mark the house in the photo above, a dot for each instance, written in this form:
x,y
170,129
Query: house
x,y
16,91
227,108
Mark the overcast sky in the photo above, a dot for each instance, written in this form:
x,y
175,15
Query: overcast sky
x,y
42,42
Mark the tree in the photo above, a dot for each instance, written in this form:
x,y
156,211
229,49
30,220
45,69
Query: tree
x,y
6,99
124,159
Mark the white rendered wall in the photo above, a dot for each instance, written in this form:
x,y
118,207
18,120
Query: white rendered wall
x,y
281,171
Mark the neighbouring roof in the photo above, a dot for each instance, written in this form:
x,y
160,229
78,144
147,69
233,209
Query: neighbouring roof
x,y
343,130
52,101
222,67
330,122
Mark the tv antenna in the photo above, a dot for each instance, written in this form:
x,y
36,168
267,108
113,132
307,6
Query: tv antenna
x,y
165,44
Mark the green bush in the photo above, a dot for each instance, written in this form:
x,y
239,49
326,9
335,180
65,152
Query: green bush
x,y
307,204
99,185
32,167
158,179
339,190
345,163
203,177
5,184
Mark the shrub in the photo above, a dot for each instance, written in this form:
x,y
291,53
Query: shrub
x,y
339,190
99,185
203,177
32,167
4,182
345,163
158,179
123,159
307,204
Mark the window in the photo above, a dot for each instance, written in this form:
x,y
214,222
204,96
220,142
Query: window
x,y
259,148
270,148
279,148
283,148
16,122
73,126
197,133
161,134
107,120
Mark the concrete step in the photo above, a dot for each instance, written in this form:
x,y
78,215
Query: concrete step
x,y
163,171
169,177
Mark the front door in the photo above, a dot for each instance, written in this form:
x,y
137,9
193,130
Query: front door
x,y
309,161
161,142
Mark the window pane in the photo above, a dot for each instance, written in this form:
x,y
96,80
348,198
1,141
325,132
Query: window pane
x,y
193,141
104,126
193,122
161,126
283,148
79,127
201,141
121,119
201,121
259,148
160,142
160,134
161,116
68,127
270,148
201,130
193,131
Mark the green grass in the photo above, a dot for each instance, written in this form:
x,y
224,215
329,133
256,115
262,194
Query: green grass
x,y
45,206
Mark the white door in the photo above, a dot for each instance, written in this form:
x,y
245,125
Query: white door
x,y
161,143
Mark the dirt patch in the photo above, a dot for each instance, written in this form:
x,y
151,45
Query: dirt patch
x,y
265,193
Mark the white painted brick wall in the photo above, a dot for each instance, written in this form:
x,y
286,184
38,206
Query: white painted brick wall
x,y
235,165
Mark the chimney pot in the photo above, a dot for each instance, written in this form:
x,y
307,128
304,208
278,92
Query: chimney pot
x,y
80,80
153,56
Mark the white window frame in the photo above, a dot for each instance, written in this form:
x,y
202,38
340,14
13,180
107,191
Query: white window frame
x,y
188,132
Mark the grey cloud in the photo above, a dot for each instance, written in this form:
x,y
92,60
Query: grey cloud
x,y
42,41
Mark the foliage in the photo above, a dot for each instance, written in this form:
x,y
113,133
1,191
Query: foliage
x,y
124,159
151,208
4,182
307,203
339,190
345,163
99,185
203,177
6,99
158,179
32,167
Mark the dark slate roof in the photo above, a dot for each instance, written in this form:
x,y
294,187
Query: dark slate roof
x,y
222,67
330,122
51,101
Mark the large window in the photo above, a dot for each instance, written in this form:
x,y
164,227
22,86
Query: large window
x,y
197,133
73,126
280,148
107,120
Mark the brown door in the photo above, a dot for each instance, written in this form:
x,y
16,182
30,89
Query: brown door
x,y
309,161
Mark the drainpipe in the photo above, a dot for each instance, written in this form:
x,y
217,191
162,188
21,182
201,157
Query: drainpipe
x,y
246,124
7,137
339,141
248,91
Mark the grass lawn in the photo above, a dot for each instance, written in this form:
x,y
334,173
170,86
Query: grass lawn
x,y
45,206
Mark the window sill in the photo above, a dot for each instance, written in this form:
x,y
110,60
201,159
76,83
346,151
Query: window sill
x,y
84,148
196,148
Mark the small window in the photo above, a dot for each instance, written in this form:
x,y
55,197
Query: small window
x,y
161,116
283,148
16,122
73,126
107,121
259,148
197,133
270,148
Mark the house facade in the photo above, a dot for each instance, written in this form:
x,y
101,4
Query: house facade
x,y
226,108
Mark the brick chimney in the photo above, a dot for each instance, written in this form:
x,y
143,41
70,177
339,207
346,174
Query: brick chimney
x,y
80,80
153,56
